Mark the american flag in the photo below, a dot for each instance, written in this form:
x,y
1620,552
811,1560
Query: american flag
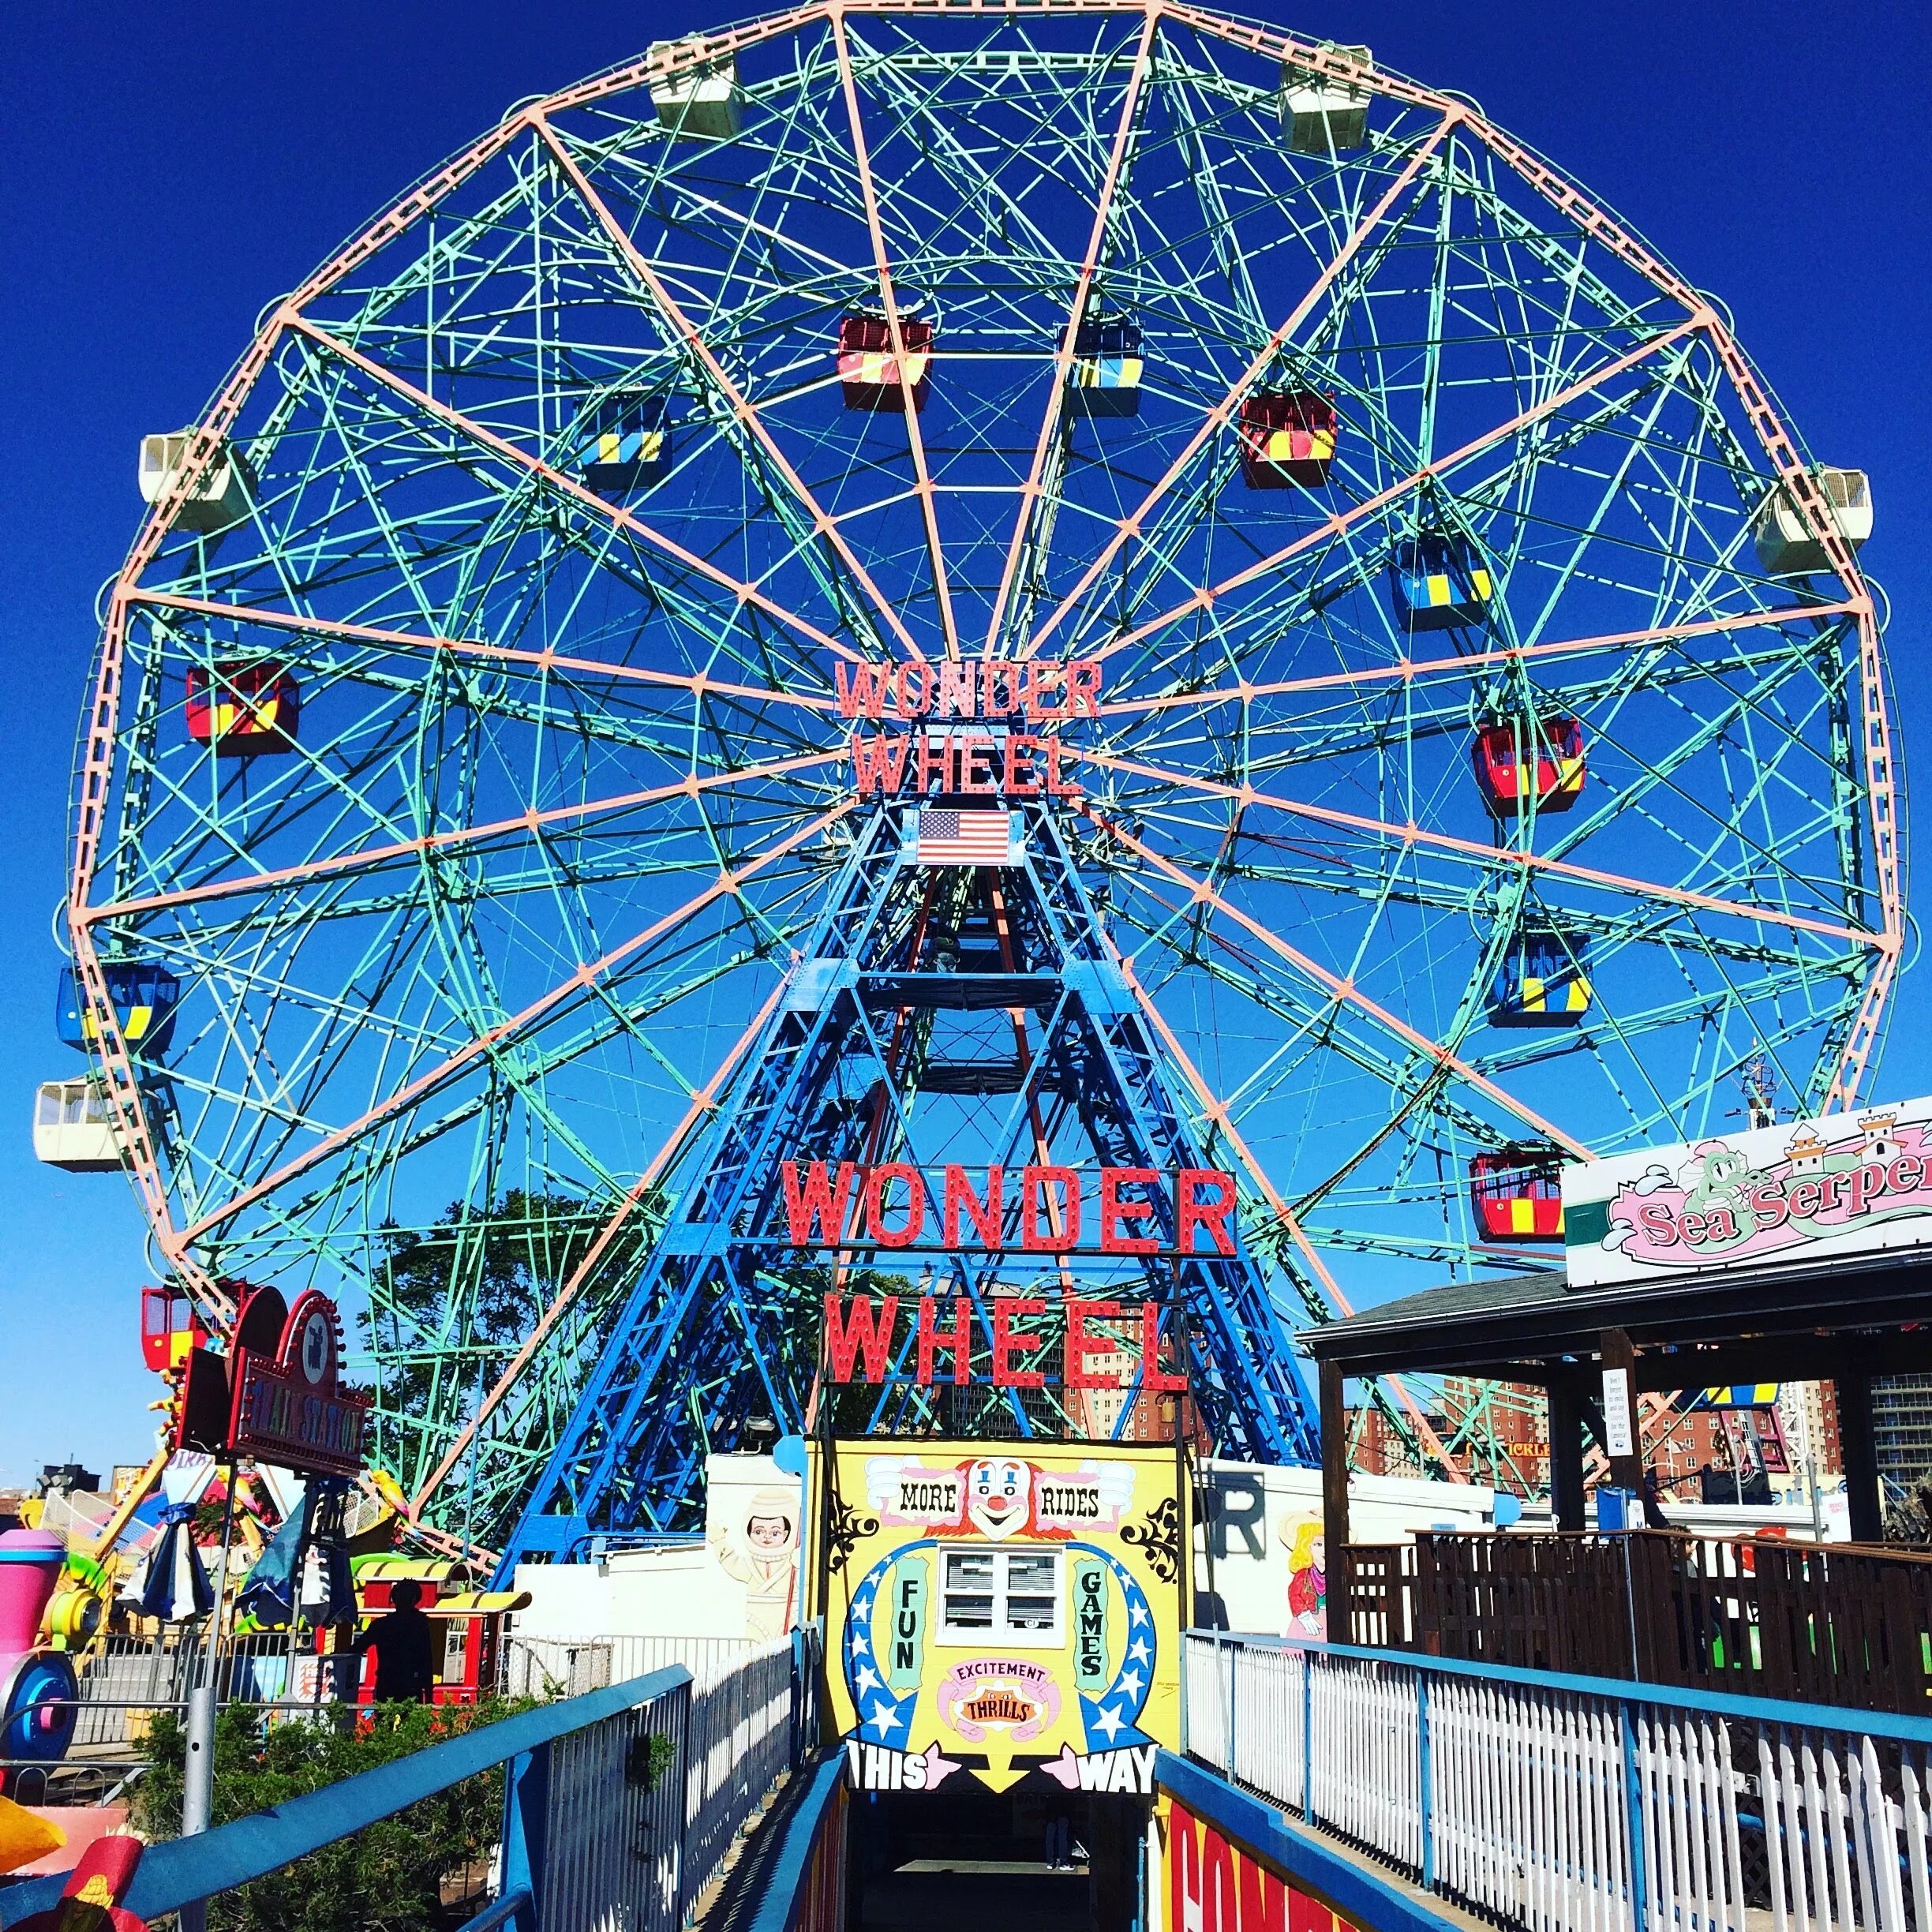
x,y
947,837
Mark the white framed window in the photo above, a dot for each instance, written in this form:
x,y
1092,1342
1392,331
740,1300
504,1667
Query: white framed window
x,y
1001,1597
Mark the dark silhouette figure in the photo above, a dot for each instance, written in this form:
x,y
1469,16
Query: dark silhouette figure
x,y
404,1673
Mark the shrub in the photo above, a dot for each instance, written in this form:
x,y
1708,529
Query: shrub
x,y
384,1878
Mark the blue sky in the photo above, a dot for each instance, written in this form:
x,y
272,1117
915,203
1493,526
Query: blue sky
x,y
170,172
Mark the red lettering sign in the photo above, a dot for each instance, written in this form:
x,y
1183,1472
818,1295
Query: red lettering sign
x,y
1215,1884
862,1341
896,1202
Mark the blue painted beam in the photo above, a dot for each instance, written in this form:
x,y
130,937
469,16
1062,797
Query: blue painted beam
x,y
777,1910
172,1874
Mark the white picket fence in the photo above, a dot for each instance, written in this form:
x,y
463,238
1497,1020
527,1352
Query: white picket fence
x,y
1558,1808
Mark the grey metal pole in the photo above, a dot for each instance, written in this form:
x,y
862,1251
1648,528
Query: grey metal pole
x,y
204,1700
198,1791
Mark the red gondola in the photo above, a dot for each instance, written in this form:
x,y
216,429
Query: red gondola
x,y
170,1329
244,710
1517,1193
1506,781
1287,435
868,369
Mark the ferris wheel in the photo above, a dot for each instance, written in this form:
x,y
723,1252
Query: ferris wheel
x,y
1467,717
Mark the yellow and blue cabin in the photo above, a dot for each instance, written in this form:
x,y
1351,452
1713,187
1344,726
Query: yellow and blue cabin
x,y
144,998
623,442
1105,380
1439,583
1542,982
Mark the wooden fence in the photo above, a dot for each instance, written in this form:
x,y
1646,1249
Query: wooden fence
x,y
1818,1623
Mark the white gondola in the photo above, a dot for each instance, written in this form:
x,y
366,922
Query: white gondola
x,y
1323,115
220,494
704,103
1786,545
74,1127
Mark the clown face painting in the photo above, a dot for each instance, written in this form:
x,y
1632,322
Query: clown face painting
x,y
998,1491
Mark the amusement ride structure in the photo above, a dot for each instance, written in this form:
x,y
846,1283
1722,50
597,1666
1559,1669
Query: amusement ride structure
x,y
1043,586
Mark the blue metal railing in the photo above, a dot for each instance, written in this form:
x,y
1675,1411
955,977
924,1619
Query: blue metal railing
x,y
183,1870
619,1805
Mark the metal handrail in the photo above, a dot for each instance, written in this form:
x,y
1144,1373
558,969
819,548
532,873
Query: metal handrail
x,y
1891,1724
184,1869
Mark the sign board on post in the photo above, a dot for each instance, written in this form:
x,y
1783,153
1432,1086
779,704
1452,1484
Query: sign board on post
x,y
1845,1184
1619,1439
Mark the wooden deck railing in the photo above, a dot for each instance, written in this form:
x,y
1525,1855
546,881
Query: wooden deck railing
x,y
1846,1625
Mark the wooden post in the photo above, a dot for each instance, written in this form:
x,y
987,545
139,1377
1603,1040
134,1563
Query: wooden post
x,y
1860,1456
1566,1452
1617,1356
1334,1448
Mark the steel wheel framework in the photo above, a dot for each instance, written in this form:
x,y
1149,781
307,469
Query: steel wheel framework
x,y
571,794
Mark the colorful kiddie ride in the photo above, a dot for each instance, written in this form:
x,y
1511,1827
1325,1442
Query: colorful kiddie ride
x,y
469,1621
38,1687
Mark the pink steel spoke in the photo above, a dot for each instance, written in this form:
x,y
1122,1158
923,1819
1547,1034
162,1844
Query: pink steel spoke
x,y
741,405
1344,991
1339,524
1217,418
1247,795
726,884
923,484
1410,668
614,513
1217,1111
702,1101
1794,476
698,683
1063,362
531,822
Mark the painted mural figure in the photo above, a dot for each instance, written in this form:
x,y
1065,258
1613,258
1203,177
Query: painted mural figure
x,y
1308,1579
762,1554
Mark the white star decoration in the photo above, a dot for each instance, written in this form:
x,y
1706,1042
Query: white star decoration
x,y
869,1679
1109,1724
1138,1652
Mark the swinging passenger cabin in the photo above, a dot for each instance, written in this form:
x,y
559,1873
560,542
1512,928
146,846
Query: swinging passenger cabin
x,y
1516,1193
243,710
703,104
868,372
1105,380
1543,769
217,497
1287,439
1323,114
1786,543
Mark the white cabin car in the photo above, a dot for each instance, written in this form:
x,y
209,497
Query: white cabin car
x,y
220,494
1323,115
74,1127
704,103
1786,547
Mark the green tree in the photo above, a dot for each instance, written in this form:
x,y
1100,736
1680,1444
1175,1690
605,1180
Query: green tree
x,y
450,1305
385,1878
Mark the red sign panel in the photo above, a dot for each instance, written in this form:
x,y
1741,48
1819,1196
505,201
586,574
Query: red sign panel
x,y
1215,1884
290,1407
894,1205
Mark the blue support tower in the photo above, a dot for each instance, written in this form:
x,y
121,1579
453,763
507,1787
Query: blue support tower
x,y
940,1014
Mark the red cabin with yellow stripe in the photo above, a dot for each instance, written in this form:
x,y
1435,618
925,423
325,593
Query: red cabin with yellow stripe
x,y
243,710
1517,1194
1514,771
